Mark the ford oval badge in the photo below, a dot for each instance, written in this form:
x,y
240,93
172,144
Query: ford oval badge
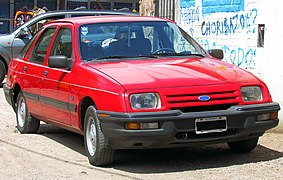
x,y
204,98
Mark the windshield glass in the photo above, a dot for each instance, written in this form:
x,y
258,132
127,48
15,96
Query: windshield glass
x,y
135,39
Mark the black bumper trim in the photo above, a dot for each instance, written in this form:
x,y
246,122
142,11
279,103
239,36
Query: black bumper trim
x,y
241,122
52,102
244,109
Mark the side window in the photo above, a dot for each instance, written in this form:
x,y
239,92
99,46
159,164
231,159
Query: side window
x,y
26,48
39,52
153,35
33,29
63,43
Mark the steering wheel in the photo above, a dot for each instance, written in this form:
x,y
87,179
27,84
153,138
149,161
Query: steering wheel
x,y
164,50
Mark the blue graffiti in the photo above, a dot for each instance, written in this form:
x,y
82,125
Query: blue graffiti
x,y
187,3
228,26
190,15
240,56
206,44
216,6
235,55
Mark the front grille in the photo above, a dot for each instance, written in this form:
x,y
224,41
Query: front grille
x,y
189,102
204,108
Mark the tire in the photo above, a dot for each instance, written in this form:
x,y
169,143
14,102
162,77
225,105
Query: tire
x,y
243,146
25,122
98,150
2,72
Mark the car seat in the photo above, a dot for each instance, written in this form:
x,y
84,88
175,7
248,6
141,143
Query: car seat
x,y
140,46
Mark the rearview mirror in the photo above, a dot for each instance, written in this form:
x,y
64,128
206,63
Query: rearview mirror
x,y
58,62
217,53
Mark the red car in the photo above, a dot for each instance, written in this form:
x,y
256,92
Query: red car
x,y
133,83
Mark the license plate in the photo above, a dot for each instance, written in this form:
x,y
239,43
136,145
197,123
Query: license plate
x,y
211,125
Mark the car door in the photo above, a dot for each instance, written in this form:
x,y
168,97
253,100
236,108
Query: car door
x,y
32,70
56,81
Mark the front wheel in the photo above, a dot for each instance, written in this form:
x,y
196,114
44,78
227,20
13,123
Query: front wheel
x,y
243,146
25,122
98,151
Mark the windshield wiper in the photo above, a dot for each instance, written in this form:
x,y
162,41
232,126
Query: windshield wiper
x,y
177,54
143,56
122,57
201,55
149,56
112,57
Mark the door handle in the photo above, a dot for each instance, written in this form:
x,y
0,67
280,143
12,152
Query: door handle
x,y
25,68
45,73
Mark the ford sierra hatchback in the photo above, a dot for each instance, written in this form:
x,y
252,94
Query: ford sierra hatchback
x,y
127,82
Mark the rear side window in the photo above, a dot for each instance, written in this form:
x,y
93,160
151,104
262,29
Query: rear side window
x,y
39,52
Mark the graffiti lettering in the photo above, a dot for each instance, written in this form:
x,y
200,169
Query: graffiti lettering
x,y
240,57
229,25
243,57
190,15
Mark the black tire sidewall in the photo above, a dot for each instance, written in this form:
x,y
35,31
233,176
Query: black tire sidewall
x,y
2,71
244,146
104,154
91,112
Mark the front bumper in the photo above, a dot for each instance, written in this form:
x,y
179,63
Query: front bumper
x,y
177,129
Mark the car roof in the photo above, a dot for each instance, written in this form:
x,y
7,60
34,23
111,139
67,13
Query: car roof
x,y
105,19
70,13
97,12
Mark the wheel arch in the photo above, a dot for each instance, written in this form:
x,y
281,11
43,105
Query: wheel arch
x,y
16,90
84,104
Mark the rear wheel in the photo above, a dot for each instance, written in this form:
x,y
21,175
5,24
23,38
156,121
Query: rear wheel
x,y
2,71
97,148
243,146
25,122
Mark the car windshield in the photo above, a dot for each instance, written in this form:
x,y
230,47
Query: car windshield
x,y
132,40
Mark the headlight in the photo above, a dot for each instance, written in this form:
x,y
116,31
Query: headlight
x,y
251,93
145,101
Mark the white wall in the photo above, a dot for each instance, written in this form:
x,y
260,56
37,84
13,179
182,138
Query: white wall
x,y
232,25
271,59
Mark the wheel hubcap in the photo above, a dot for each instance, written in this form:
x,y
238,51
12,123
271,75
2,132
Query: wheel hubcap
x,y
91,136
21,112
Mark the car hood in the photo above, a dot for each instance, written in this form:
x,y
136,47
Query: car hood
x,y
6,40
164,73
3,35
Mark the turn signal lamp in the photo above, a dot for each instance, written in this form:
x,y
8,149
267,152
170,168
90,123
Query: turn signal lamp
x,y
141,126
273,115
267,116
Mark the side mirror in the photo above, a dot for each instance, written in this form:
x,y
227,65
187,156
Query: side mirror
x,y
217,53
58,62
